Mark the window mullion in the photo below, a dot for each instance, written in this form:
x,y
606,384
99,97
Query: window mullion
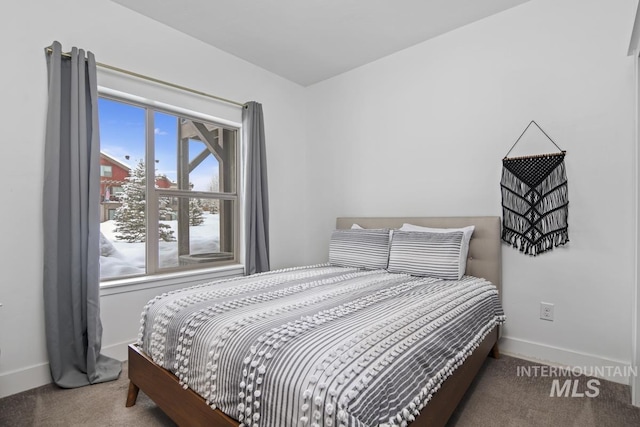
x,y
152,240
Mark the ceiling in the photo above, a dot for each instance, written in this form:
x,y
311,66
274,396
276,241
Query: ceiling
x,y
307,41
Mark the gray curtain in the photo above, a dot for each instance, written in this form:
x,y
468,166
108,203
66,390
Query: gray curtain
x,y
71,224
257,195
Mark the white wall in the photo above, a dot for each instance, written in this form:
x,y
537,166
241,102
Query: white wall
x,y
125,39
422,133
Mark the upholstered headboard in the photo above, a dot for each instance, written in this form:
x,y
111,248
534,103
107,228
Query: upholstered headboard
x,y
485,248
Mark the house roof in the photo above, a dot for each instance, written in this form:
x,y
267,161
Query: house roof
x,y
114,160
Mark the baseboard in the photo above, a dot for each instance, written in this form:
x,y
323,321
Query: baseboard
x,y
555,356
117,351
38,375
20,380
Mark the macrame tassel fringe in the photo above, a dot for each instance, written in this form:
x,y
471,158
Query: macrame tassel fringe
x,y
544,244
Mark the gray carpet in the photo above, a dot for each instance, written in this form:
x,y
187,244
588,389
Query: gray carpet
x,y
498,397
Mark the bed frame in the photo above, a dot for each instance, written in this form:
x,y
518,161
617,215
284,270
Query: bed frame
x,y
187,408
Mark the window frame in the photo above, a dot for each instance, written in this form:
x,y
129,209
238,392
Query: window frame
x,y
153,194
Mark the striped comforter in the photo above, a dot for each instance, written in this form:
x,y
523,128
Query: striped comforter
x,y
319,345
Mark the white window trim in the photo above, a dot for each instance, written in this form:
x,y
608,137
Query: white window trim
x,y
163,106
186,277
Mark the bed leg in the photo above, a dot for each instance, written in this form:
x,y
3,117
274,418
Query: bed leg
x,y
495,351
132,394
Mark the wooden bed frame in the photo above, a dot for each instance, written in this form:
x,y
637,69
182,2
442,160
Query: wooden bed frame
x,y
187,408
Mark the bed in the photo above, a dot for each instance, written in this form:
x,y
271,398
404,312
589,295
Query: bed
x,y
356,338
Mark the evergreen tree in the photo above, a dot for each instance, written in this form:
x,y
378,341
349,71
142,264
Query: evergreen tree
x,y
130,216
196,216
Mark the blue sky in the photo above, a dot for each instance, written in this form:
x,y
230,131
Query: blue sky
x,y
122,133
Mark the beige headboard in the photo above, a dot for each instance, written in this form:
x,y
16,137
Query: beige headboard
x,y
485,248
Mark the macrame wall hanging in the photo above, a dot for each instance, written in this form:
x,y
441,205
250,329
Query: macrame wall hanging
x,y
535,204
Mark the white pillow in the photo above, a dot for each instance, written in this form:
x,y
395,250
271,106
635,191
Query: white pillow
x,y
356,227
467,232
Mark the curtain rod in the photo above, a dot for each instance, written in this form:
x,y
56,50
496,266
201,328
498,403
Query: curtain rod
x,y
49,51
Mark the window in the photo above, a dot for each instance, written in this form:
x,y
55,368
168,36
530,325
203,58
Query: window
x,y
105,170
173,201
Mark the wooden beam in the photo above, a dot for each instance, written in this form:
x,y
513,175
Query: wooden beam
x,y
199,159
208,138
183,203
226,177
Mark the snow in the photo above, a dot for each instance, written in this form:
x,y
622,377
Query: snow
x,y
119,258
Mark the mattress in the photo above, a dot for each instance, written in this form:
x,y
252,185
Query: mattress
x,y
319,345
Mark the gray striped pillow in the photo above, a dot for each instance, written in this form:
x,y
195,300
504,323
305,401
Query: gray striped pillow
x,y
426,254
362,248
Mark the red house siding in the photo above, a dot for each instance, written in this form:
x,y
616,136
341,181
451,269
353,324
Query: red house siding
x,y
163,182
117,178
